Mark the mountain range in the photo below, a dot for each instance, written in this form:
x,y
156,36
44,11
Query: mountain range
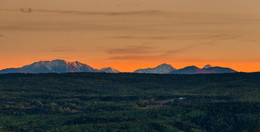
x,y
57,66
161,69
168,69
62,66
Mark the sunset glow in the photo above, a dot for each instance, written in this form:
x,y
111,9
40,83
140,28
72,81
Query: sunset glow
x,y
131,34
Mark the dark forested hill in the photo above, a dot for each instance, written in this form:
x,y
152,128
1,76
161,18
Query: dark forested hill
x,y
130,102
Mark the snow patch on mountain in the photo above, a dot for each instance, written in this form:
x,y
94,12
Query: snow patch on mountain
x,y
55,66
109,70
207,66
161,69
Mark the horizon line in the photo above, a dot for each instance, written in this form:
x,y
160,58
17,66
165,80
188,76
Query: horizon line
x,y
127,71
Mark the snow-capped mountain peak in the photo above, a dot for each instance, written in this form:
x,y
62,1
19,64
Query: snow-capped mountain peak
x,y
109,70
54,66
207,66
161,69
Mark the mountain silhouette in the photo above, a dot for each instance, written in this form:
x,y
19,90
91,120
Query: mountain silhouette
x,y
56,66
62,66
161,69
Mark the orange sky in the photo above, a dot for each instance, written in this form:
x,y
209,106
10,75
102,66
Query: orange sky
x,y
132,34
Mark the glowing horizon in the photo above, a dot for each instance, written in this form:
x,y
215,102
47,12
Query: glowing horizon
x,y
126,67
131,34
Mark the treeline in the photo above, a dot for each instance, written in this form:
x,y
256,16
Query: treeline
x,y
130,102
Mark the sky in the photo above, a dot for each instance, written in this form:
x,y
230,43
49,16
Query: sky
x,y
132,34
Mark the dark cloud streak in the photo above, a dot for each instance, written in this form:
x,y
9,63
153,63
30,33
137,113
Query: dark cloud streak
x,y
180,37
144,37
144,12
142,49
63,50
131,50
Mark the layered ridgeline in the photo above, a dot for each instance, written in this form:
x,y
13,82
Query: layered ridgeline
x,y
168,69
57,66
161,69
62,66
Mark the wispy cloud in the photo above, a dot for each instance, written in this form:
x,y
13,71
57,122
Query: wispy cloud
x,y
180,37
144,12
224,37
131,50
154,53
63,50
130,57
144,52
146,56
138,52
144,37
